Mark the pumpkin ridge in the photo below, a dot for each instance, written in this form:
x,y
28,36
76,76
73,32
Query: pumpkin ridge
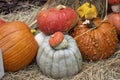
x,y
108,37
52,64
98,42
15,65
66,64
29,57
19,62
88,42
103,32
75,58
3,36
46,54
18,48
49,60
4,42
40,58
93,50
101,43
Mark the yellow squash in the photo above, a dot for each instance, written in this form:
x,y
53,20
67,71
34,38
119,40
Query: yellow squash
x,y
87,11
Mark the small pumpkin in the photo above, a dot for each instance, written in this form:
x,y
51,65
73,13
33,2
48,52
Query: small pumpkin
x,y
56,39
60,18
60,62
95,43
87,11
114,19
18,45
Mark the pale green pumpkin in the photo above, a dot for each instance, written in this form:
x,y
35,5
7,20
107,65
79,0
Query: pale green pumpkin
x,y
59,63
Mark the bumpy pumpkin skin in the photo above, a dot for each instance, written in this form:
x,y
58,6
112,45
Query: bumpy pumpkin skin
x,y
18,45
98,43
59,63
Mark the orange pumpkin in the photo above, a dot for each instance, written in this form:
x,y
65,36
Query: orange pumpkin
x,y
56,39
18,45
96,43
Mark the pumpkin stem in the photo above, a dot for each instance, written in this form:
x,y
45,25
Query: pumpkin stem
x,y
90,3
90,24
62,45
60,7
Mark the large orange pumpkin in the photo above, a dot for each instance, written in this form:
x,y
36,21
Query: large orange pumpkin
x,y
96,43
18,45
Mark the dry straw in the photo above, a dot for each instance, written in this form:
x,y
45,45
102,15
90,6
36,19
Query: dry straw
x,y
108,69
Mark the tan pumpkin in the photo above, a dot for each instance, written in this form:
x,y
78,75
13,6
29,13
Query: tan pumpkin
x,y
18,45
96,43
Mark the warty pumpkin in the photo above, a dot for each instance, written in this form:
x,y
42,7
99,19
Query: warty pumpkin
x,y
18,45
59,62
96,43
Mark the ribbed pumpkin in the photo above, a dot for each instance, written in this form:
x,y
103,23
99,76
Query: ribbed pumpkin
x,y
59,62
18,45
96,43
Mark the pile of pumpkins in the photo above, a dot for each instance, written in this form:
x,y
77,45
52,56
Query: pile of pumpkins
x,y
67,38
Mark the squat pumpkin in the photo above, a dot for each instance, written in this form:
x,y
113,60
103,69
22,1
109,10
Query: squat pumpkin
x,y
18,45
61,60
60,18
96,43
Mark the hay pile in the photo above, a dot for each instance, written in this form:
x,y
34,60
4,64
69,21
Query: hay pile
x,y
108,69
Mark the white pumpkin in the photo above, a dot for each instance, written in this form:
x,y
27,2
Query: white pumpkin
x,y
59,63
40,37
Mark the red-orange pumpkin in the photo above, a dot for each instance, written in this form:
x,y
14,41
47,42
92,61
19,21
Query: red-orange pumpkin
x,y
97,43
114,2
56,39
61,18
18,45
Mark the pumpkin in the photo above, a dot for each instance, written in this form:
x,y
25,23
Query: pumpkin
x,y
60,62
115,5
18,45
114,19
39,38
96,40
56,39
87,11
1,21
115,8
112,2
60,18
